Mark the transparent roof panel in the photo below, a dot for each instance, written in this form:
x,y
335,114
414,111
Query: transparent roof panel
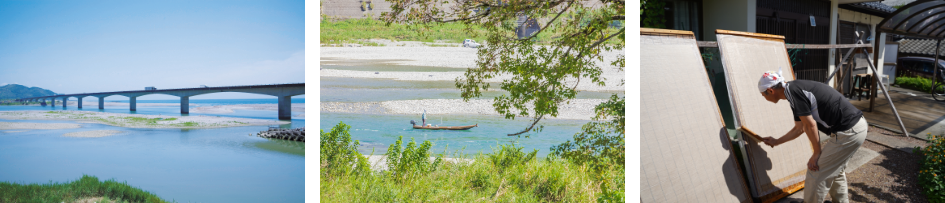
x,y
928,29
904,13
922,22
921,17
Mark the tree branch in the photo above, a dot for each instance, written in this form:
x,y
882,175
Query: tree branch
x,y
600,41
529,127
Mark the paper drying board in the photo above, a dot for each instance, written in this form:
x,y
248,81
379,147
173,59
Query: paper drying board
x,y
685,154
774,172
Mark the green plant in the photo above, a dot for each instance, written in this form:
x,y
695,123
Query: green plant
x,y
87,186
339,152
930,167
509,156
915,83
651,13
412,160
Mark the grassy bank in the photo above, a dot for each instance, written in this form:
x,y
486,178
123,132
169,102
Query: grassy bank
x,y
336,31
353,30
506,175
83,188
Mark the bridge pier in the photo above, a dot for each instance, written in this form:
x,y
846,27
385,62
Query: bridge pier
x,y
101,103
185,105
80,103
133,102
64,102
285,107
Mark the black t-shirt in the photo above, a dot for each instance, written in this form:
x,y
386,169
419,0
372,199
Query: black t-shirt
x,y
830,109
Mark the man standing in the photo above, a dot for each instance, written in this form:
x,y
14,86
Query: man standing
x,y
817,106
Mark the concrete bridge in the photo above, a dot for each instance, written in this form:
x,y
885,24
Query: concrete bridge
x,y
282,91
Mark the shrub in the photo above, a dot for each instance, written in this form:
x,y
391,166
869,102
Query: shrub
x,y
509,156
915,83
600,143
930,167
339,153
412,160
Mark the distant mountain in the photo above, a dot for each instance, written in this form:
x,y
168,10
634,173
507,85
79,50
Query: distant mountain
x,y
13,91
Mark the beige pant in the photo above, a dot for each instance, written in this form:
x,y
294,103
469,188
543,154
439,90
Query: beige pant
x,y
833,161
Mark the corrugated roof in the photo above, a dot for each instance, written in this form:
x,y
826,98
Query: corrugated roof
x,y
925,19
875,6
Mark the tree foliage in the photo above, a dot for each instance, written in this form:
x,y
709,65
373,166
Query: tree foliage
x,y
539,76
651,14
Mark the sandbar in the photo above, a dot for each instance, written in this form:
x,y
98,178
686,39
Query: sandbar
x,y
93,133
577,109
36,126
137,120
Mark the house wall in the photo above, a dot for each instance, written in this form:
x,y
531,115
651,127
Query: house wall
x,y
737,15
872,21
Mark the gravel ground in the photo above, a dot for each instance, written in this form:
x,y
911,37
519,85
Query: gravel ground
x,y
456,57
138,120
93,133
915,139
890,177
35,126
578,109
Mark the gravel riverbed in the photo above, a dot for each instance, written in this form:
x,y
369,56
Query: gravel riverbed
x,y
578,109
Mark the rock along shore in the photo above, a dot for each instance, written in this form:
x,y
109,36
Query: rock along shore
x,y
297,134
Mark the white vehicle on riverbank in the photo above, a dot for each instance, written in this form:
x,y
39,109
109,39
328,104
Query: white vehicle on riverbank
x,y
471,43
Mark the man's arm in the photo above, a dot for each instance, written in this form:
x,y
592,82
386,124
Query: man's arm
x,y
793,134
810,128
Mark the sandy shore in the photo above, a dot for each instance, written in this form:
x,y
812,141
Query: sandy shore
x,y
137,120
93,133
578,109
298,109
379,162
454,57
36,126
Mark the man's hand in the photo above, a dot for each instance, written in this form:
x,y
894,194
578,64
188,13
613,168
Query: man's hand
x,y
812,163
770,141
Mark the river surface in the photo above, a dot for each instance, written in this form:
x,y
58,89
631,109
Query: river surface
x,y
184,165
377,132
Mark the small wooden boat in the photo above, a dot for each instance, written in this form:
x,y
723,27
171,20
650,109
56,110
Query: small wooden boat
x,y
415,126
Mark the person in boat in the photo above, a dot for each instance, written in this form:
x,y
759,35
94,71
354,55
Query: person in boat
x,y
423,118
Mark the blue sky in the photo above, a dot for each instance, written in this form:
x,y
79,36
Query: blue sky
x,y
99,46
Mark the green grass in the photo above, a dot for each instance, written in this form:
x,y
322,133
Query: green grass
x,y
506,175
85,187
189,124
143,120
356,31
915,83
170,119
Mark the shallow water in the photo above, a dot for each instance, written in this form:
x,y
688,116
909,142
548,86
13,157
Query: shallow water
x,y
335,89
186,165
377,132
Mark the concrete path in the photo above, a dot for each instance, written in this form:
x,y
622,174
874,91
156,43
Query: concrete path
x,y
919,112
862,156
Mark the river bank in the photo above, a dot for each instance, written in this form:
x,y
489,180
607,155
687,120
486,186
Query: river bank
x,y
137,120
577,109
460,58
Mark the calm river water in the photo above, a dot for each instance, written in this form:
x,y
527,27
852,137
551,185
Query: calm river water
x,y
186,165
